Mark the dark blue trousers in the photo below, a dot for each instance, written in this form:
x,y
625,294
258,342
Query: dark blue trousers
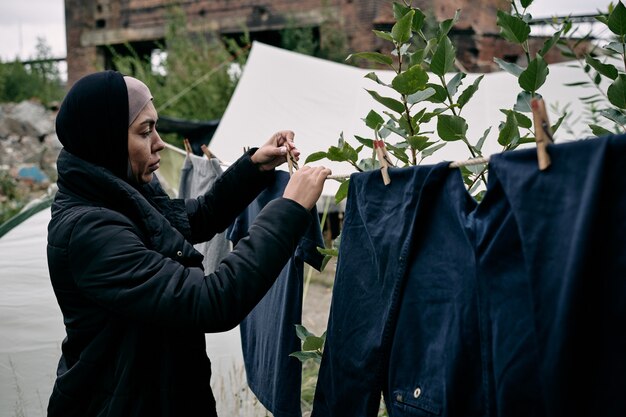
x,y
268,333
510,307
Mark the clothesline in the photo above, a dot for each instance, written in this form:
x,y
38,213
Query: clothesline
x,y
182,152
455,164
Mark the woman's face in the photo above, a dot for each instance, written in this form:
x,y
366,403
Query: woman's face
x,y
144,144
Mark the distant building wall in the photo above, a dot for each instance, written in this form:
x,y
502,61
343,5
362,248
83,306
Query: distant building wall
x,y
93,24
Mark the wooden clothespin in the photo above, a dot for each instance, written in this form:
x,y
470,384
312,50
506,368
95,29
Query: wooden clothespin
x,y
543,132
206,151
383,159
187,146
291,161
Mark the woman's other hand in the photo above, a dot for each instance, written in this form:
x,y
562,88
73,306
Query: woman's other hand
x,y
274,151
306,184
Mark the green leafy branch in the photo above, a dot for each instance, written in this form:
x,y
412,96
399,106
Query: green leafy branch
x,y
402,125
600,65
515,28
312,346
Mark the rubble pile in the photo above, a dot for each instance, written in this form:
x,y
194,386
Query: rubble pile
x,y
28,148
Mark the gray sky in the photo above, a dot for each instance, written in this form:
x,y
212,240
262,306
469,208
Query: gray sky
x,y
22,21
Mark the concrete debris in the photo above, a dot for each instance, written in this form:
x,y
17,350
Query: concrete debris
x,y
29,146
27,118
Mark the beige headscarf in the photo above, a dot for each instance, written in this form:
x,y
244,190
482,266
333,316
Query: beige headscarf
x,y
138,96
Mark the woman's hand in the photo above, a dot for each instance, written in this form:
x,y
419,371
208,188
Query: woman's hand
x,y
305,185
274,152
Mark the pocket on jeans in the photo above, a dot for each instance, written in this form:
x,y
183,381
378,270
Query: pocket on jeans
x,y
414,402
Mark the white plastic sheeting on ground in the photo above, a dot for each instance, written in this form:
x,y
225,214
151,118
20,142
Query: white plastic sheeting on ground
x,y
31,329
31,326
319,99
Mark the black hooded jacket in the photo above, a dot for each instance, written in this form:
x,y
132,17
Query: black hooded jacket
x,y
135,300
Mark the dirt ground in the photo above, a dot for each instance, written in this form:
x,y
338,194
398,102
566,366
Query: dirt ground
x,y
317,298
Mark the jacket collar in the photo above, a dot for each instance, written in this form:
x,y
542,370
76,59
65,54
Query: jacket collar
x,y
163,222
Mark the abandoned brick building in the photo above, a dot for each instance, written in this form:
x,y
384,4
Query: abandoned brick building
x,y
91,25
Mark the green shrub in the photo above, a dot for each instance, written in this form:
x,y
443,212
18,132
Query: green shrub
x,y
39,79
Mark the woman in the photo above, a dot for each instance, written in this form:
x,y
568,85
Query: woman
x,y
135,300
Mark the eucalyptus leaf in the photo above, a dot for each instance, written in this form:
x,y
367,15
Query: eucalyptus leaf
x,y
522,120
566,52
401,30
468,93
481,141
334,154
373,57
383,35
372,76
548,44
304,356
431,45
416,119
325,261
397,130
522,103
418,20
509,67
404,48
315,156
617,19
374,120
313,343
614,115
527,139
455,83
615,47
417,57
369,164
513,28
602,19
450,127
428,116
421,96
447,25
410,81
302,331
535,75
558,123
597,79
607,70
389,102
599,130
384,132
617,91
476,169
419,142
329,252
400,10
509,131
432,149
440,93
342,192
349,152
399,153
576,84
404,125
443,59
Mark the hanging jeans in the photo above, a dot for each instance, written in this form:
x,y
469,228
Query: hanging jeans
x,y
510,307
268,333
